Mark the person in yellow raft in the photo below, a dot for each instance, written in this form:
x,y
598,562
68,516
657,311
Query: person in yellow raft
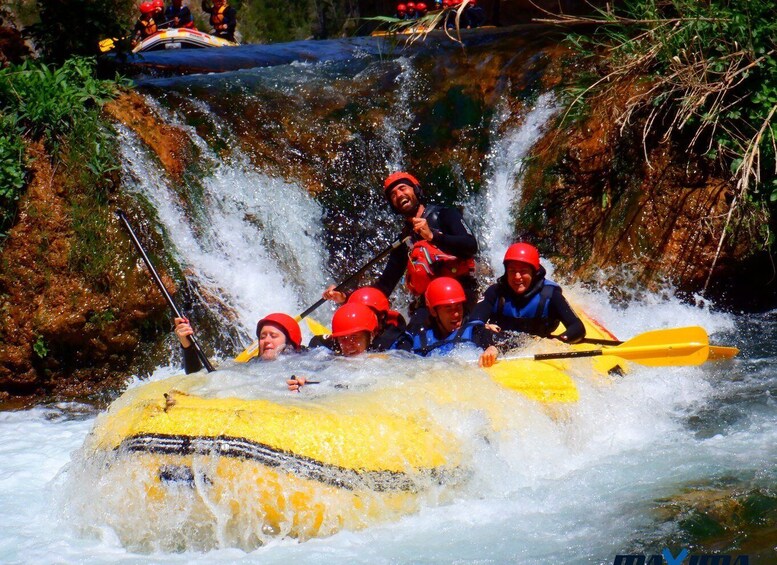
x,y
354,327
523,300
277,333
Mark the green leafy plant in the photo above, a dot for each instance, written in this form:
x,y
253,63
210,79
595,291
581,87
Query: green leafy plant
x,y
705,76
12,171
39,347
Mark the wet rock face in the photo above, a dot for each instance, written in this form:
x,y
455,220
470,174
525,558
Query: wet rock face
x,y
601,199
61,334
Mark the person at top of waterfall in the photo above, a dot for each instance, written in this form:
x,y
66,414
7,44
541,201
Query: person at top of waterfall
x,y
177,15
442,244
401,12
276,333
523,300
146,24
471,16
223,18
391,324
448,324
354,327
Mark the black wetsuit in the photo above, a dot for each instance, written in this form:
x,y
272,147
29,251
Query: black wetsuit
x,y
383,341
451,235
183,14
551,309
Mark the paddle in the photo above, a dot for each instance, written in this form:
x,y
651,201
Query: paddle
x,y
358,273
161,286
657,348
717,352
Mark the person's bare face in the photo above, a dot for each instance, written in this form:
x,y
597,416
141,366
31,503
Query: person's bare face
x,y
404,199
449,316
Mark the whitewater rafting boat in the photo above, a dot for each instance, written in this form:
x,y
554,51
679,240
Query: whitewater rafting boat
x,y
174,464
180,38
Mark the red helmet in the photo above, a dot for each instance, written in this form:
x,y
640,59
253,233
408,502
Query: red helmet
x,y
523,252
421,7
401,8
146,7
370,296
401,177
286,323
444,290
411,5
353,318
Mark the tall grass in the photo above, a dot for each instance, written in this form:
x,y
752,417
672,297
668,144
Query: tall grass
x,y
708,72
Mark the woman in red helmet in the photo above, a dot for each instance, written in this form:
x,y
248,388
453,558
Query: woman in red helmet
x,y
523,300
448,325
276,333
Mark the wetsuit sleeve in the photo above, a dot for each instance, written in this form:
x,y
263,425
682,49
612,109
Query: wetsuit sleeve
x,y
395,268
404,343
321,341
454,236
191,361
560,309
483,309
483,337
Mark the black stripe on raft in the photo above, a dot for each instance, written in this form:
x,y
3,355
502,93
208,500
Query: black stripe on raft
x,y
292,463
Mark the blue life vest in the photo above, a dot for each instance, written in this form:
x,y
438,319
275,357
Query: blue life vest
x,y
425,342
532,317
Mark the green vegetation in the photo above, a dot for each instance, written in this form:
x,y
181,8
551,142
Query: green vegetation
x,y
74,27
39,347
269,21
705,76
61,107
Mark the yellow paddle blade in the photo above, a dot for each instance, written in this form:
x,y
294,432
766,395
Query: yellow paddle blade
x,y
537,380
317,328
659,348
719,352
248,353
107,44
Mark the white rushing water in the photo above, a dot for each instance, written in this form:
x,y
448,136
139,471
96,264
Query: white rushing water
x,y
575,488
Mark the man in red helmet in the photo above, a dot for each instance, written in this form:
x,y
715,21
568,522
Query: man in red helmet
x,y
523,300
448,325
276,333
442,244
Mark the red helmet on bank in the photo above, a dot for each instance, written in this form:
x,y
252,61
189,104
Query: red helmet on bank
x,y
525,253
146,7
444,290
421,7
353,318
286,323
370,296
401,8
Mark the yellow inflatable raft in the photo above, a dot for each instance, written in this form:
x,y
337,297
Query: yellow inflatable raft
x,y
173,467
